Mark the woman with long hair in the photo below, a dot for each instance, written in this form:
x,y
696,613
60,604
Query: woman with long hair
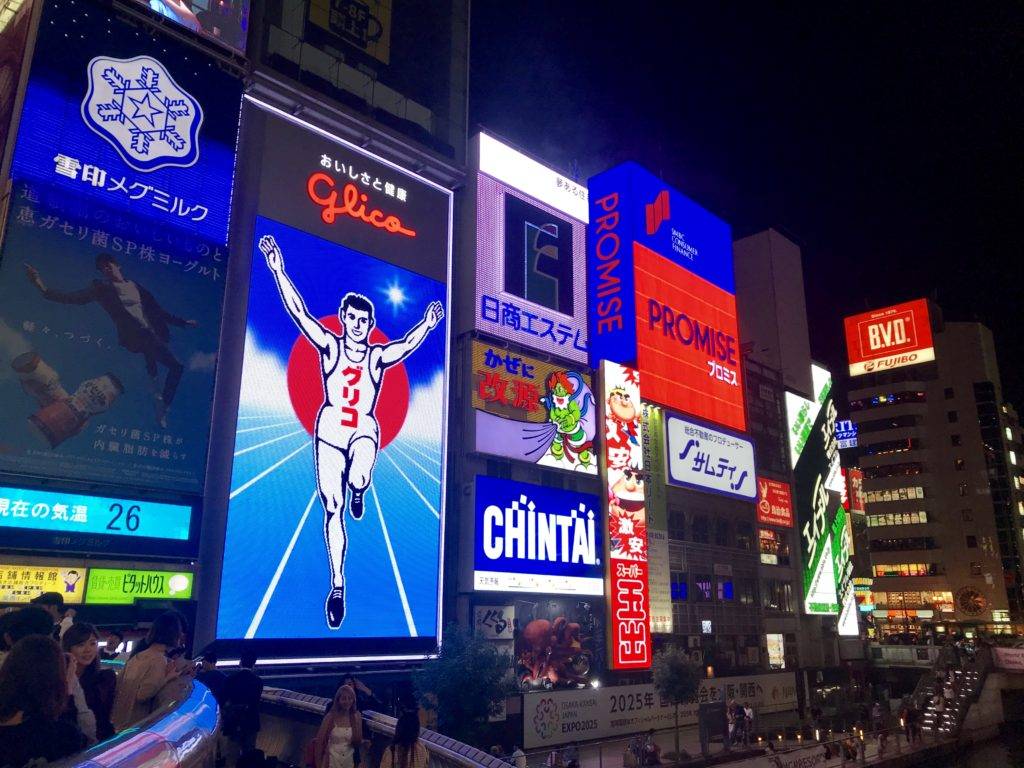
x,y
405,750
34,688
341,732
98,685
148,672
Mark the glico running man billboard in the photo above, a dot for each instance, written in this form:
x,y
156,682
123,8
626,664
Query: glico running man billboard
x,y
662,294
114,258
629,610
336,503
535,539
533,410
889,338
815,460
530,249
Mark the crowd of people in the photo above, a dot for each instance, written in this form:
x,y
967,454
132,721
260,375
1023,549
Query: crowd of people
x,y
56,697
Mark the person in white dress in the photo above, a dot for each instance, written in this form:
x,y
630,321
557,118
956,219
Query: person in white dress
x,y
341,732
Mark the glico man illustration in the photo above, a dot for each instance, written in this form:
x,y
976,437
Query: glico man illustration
x,y
347,435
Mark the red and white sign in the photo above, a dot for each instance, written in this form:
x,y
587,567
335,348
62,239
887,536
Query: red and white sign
x,y
629,625
687,341
774,503
889,338
853,490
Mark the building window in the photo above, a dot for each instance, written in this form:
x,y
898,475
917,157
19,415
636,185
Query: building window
x,y
905,570
897,518
722,533
700,530
894,470
744,536
975,569
678,585
894,494
746,591
962,489
951,417
724,588
955,440
959,465
972,542
702,588
948,393
676,524
966,515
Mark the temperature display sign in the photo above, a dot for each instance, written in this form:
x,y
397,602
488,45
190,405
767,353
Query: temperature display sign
x,y
41,517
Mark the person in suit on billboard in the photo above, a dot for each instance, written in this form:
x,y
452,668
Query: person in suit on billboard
x,y
142,324
346,433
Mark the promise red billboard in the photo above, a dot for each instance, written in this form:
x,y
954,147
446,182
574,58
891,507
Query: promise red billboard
x,y
774,503
889,338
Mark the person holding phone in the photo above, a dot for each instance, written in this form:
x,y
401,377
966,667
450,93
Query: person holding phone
x,y
147,673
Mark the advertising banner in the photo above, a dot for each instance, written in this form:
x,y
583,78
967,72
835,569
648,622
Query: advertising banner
x,y
560,717
846,434
223,21
59,513
337,490
842,567
889,338
1009,659
769,544
136,124
530,538
708,459
774,503
558,643
22,583
532,410
530,247
659,576
123,586
494,622
629,624
662,294
815,456
363,24
776,643
854,499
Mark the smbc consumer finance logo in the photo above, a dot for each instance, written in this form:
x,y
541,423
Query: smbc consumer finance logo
x,y
138,108
545,718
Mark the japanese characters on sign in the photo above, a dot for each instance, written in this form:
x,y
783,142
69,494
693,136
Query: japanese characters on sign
x,y
362,24
495,622
662,294
854,497
842,569
23,583
532,410
123,586
560,717
889,338
846,433
774,502
60,512
709,460
350,262
815,455
110,325
629,625
131,123
535,539
530,248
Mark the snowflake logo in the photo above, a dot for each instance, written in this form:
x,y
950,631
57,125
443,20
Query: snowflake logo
x,y
136,106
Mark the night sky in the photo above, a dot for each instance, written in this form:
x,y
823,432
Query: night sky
x,y
884,140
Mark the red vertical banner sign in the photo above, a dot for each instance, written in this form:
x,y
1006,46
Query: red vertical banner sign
x,y
622,470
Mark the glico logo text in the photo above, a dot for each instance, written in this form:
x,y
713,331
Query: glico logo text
x,y
690,332
353,203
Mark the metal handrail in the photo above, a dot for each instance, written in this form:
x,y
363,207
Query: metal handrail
x,y
182,734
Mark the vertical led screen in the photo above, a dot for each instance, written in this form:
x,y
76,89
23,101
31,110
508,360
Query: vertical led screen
x,y
225,21
659,577
662,294
530,244
629,627
815,457
334,519
114,258
533,410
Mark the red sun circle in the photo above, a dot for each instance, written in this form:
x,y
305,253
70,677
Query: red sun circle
x,y
306,385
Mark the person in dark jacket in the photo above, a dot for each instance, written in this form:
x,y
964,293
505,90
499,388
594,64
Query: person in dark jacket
x,y
34,688
141,323
242,693
99,684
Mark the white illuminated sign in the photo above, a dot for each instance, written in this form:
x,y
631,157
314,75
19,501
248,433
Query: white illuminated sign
x,y
530,177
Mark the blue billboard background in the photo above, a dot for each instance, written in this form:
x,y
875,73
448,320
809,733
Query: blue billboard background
x,y
553,502
79,399
648,211
276,574
152,111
